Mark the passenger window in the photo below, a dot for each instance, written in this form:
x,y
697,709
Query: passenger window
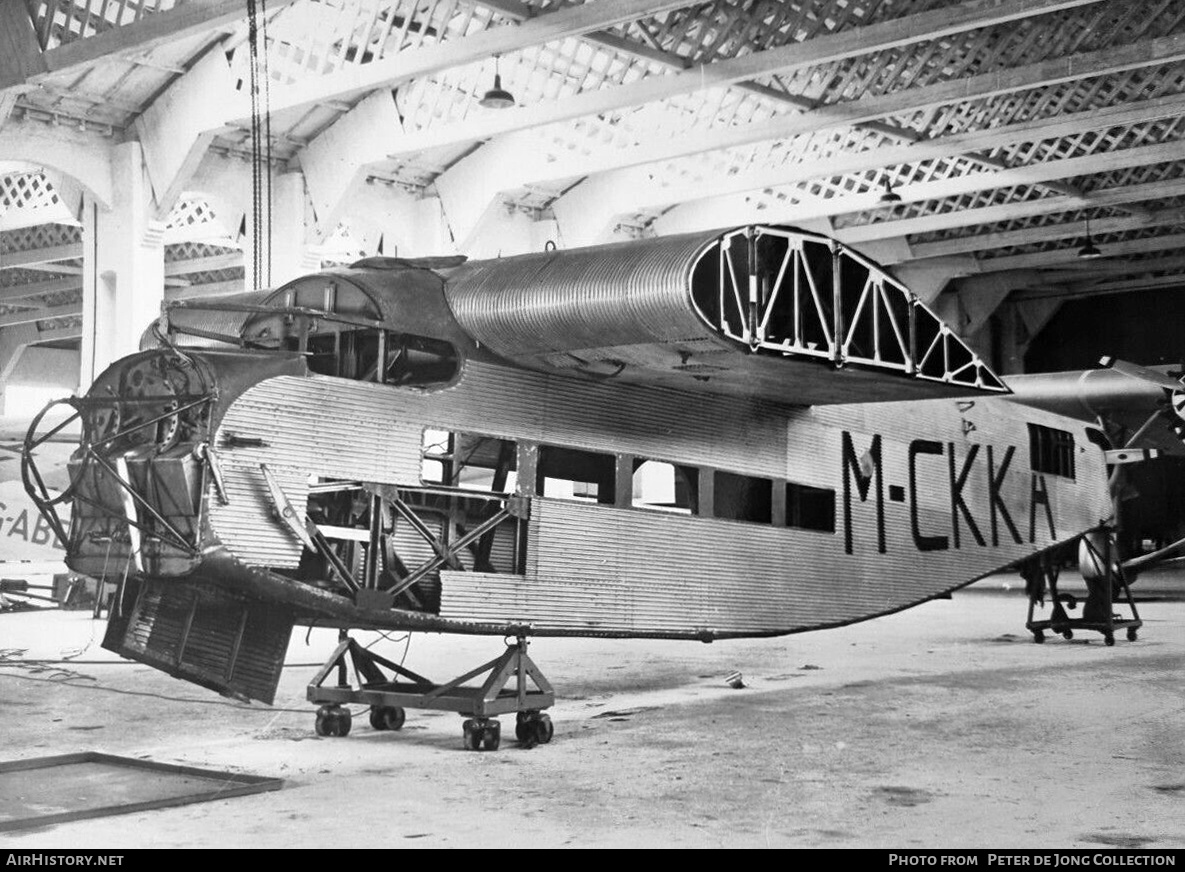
x,y
1051,451
665,486
742,498
572,474
810,508
469,461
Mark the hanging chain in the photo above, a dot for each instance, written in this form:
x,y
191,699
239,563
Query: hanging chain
x,y
261,145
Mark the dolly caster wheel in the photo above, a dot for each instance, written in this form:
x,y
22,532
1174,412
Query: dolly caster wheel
x,y
534,728
1132,635
482,734
332,720
387,717
1067,634
1108,640
1038,637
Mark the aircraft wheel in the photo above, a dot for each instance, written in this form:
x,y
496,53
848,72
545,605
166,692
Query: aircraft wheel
x,y
1108,640
1132,635
491,736
1038,637
1067,634
544,729
332,720
522,725
387,717
473,734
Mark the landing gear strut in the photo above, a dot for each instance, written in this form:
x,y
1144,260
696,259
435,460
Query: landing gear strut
x,y
507,688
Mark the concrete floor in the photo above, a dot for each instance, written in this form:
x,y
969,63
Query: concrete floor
x,y
942,726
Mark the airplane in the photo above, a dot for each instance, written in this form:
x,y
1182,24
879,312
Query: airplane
x,y
750,432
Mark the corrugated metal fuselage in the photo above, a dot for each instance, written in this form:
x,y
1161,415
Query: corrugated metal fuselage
x,y
928,496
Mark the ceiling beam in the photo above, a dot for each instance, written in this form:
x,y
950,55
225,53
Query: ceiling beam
x,y
1069,254
192,18
1102,270
43,314
718,211
9,293
845,44
48,254
405,65
985,215
210,263
57,334
176,129
20,53
209,289
654,194
81,155
588,208
1047,233
1163,50
334,164
1078,291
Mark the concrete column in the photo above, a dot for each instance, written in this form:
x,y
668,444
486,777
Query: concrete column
x,y
123,266
1013,341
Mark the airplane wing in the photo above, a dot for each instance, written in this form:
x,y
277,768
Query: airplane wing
x,y
767,311
1137,406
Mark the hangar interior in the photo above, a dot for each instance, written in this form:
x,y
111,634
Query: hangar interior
x,y
1007,161
1019,165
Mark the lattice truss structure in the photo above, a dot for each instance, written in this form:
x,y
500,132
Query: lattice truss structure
x,y
1006,130
41,266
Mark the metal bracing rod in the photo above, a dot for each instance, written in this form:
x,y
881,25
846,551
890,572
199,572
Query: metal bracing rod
x,y
39,442
149,422
421,528
123,519
179,540
335,563
1145,427
461,679
472,536
837,353
42,505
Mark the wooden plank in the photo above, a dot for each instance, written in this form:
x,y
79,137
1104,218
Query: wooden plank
x,y
35,289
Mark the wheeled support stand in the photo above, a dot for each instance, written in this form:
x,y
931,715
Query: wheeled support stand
x,y
388,697
1099,617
